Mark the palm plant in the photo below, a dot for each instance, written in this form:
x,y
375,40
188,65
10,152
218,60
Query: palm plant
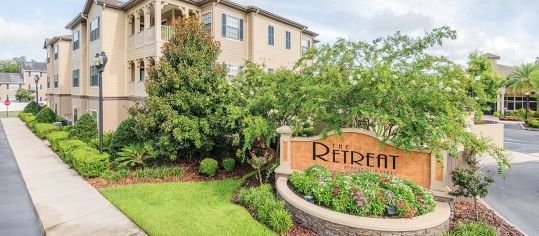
x,y
134,155
524,80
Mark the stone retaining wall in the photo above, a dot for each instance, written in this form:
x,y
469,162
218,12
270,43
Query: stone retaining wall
x,y
326,222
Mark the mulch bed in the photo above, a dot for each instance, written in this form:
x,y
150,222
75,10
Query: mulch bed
x,y
463,211
190,175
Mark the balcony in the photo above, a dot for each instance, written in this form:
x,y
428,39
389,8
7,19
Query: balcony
x,y
132,88
166,32
140,39
151,34
141,90
131,43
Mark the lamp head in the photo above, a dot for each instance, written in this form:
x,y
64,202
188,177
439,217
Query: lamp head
x,y
36,78
100,59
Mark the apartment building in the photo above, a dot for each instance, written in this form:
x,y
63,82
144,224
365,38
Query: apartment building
x,y
11,82
59,74
132,34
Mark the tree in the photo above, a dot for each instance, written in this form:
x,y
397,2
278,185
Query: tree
x,y
11,66
524,80
184,110
84,129
486,83
24,95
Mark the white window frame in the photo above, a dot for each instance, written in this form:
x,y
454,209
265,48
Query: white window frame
x,y
95,29
13,87
230,27
305,45
233,70
206,19
76,40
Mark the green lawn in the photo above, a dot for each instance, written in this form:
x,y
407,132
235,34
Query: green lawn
x,y
202,208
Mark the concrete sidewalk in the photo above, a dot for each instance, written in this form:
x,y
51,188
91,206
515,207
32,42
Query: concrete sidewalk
x,y
65,202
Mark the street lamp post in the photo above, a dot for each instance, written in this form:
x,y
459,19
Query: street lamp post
x,y
100,62
527,103
36,79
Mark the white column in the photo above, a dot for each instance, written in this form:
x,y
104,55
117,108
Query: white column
x,y
147,20
158,40
284,168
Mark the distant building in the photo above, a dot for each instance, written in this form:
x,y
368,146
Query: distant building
x,y
508,102
11,82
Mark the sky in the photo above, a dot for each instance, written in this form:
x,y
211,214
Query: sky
x,y
504,28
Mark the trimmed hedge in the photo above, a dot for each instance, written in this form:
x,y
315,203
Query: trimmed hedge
x,y
32,107
84,129
89,163
228,164
46,115
208,166
268,209
66,147
43,129
25,116
533,123
55,138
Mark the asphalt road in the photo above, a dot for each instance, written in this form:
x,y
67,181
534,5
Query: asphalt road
x,y
517,196
17,215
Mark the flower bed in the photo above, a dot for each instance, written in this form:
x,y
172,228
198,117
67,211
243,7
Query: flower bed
x,y
363,193
510,118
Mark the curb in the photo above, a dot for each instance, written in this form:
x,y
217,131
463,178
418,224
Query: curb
x,y
530,129
499,215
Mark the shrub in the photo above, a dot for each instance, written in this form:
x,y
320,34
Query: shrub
x,y
363,193
124,135
43,129
55,138
32,107
115,176
106,141
497,114
46,115
84,129
24,116
510,118
533,123
66,147
268,209
89,163
228,164
134,155
208,166
160,172
472,229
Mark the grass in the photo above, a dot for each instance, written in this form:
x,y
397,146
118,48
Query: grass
x,y
10,114
192,208
472,229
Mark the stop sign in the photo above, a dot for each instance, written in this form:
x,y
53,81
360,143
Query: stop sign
x,y
7,102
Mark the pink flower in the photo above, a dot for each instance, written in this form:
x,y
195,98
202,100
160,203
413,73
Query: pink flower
x,y
359,203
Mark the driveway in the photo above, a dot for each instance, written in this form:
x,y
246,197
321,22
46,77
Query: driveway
x,y
17,215
517,196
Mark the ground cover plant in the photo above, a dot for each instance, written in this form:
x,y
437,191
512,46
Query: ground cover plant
x,y
472,229
161,209
266,207
363,193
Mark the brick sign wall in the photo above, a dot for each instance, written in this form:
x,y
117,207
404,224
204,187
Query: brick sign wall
x,y
355,150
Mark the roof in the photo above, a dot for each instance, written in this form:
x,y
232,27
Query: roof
x,y
33,66
53,40
126,5
491,56
503,70
11,78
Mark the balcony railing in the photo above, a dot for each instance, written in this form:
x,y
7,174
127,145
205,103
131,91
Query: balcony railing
x,y
151,34
132,88
140,38
166,32
131,43
141,90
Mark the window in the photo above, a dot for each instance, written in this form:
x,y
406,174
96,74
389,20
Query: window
x,y
76,40
55,81
56,52
232,27
75,114
48,56
94,114
48,81
305,45
56,108
93,76
13,86
233,70
271,35
288,40
76,76
270,70
94,29
515,103
142,73
206,21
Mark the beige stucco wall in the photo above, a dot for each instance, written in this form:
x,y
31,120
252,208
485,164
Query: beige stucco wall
x,y
29,76
79,60
114,112
233,52
114,44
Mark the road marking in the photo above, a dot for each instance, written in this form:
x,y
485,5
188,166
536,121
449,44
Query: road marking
x,y
516,140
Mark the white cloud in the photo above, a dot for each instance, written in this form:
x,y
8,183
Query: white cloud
x,y
25,38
